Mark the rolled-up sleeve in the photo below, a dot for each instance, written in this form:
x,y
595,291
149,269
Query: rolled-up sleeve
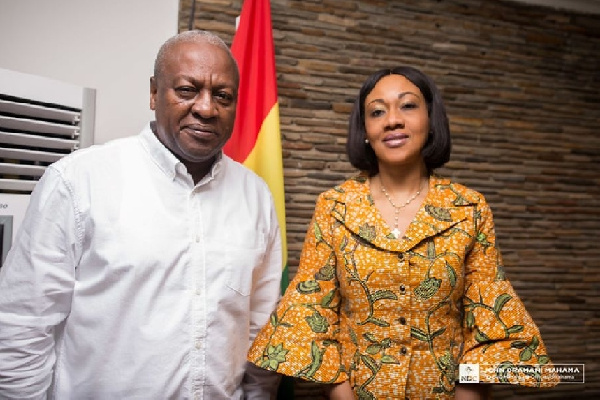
x,y
36,285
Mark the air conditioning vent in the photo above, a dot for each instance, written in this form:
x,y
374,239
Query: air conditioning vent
x,y
41,121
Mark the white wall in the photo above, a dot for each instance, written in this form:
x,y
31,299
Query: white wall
x,y
108,45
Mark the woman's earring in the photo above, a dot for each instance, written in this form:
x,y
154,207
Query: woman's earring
x,y
366,141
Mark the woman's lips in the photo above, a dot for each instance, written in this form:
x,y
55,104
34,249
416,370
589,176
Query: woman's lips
x,y
395,140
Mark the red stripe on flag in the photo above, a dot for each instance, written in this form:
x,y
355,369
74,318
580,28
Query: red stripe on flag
x,y
253,50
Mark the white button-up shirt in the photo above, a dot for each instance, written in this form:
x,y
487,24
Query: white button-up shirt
x,y
127,281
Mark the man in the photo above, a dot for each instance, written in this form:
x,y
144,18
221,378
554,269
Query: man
x,y
145,267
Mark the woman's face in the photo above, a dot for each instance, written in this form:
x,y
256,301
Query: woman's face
x,y
396,121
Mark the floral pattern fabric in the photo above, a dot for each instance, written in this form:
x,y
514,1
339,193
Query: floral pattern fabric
x,y
396,317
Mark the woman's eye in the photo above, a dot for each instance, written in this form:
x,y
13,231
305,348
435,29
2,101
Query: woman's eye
x,y
376,113
409,106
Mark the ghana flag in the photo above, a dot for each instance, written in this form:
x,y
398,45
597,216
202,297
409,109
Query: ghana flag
x,y
256,140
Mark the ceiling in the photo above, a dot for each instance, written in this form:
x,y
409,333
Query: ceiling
x,y
583,6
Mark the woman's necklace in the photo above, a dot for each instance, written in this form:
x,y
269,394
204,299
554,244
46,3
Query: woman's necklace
x,y
396,231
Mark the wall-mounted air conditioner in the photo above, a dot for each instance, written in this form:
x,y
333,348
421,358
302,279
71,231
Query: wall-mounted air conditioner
x,y
41,121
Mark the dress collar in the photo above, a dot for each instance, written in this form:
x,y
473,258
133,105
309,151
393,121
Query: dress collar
x,y
445,205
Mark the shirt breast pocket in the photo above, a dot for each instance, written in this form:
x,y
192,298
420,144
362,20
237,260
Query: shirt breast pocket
x,y
240,266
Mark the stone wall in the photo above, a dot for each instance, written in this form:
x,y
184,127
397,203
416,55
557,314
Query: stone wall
x,y
522,89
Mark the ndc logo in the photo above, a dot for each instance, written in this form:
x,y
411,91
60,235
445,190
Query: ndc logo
x,y
468,373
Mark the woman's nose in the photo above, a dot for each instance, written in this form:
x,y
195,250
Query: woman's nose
x,y
395,118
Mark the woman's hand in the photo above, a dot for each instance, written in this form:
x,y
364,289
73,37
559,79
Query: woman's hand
x,y
472,391
341,391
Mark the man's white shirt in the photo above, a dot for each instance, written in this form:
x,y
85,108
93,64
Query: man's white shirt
x,y
127,281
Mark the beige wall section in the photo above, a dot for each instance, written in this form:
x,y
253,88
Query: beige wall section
x,y
108,45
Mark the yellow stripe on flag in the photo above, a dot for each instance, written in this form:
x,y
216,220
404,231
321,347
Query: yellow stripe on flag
x,y
255,140
265,160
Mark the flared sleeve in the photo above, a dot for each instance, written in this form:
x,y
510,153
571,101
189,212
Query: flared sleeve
x,y
301,337
499,334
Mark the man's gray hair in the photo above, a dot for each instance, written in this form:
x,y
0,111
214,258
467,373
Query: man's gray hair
x,y
199,36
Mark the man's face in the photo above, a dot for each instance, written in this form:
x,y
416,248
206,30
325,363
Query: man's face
x,y
194,98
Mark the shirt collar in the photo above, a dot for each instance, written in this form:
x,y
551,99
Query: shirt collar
x,y
168,163
215,169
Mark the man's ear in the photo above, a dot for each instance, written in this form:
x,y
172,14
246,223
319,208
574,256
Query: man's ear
x,y
153,90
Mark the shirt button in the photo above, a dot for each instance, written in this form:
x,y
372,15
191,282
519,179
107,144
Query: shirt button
x,y
402,289
401,256
403,350
402,320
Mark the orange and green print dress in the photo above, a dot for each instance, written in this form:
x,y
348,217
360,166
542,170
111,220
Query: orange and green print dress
x,y
396,317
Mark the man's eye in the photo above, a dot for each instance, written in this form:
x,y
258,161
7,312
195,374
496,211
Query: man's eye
x,y
224,97
185,90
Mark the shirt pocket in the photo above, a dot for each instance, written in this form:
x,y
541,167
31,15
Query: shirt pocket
x,y
240,264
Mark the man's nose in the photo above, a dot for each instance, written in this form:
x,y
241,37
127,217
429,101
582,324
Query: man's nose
x,y
204,105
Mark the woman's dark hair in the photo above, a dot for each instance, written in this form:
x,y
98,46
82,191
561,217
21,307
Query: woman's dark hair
x,y
436,151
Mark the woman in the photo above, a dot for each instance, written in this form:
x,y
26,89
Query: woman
x,y
400,280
